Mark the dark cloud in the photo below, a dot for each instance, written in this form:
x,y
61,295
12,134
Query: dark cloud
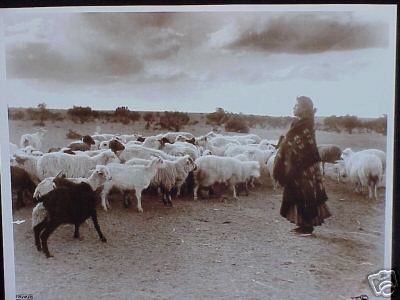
x,y
311,33
40,61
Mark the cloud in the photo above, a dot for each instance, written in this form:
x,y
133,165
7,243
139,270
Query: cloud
x,y
311,33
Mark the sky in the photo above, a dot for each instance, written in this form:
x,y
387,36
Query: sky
x,y
253,62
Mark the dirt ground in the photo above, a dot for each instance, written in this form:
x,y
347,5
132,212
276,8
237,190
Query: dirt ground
x,y
207,249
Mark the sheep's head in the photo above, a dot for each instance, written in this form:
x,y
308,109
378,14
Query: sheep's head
x,y
191,166
116,146
164,141
346,153
88,140
103,172
157,161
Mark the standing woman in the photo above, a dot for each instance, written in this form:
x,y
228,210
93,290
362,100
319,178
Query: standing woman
x,y
297,170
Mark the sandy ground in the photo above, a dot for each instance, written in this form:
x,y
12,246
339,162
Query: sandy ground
x,y
207,249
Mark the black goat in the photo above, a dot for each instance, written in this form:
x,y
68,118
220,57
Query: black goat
x,y
69,203
20,182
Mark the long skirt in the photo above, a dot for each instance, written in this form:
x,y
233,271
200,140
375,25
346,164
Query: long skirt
x,y
304,199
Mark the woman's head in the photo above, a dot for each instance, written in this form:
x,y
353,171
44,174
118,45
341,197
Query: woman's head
x,y
304,107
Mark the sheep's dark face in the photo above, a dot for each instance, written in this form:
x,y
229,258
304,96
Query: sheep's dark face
x,y
116,146
191,165
87,139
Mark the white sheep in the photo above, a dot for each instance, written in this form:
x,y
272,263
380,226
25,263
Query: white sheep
x,y
33,139
213,169
29,164
363,169
126,178
270,167
138,151
180,149
50,164
173,175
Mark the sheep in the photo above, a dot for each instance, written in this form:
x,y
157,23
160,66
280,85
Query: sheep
x,y
172,175
29,164
13,149
270,167
125,178
83,145
71,165
69,203
179,149
222,141
153,142
213,169
261,156
328,153
20,182
103,137
50,183
363,169
172,136
34,139
137,151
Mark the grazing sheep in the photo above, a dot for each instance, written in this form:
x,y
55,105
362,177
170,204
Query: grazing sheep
x,y
213,169
69,203
20,182
127,178
328,153
50,164
84,145
34,140
363,169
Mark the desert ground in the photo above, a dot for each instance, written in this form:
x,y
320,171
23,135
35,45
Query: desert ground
x,y
216,248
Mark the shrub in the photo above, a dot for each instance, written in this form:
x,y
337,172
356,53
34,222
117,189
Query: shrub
x,y
218,117
80,113
237,123
149,117
174,120
16,115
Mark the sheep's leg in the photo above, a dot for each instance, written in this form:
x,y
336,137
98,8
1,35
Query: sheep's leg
x,y
196,187
169,199
234,192
164,198
369,192
97,226
37,230
139,200
246,188
376,191
49,229
76,233
104,201
323,169
20,199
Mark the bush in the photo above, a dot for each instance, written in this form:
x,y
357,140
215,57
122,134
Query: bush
x,y
80,113
174,120
16,115
73,135
218,117
149,117
237,123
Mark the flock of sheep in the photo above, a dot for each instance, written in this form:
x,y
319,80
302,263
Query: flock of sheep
x,y
65,182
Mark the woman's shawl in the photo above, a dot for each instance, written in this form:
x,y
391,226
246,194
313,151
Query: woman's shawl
x,y
297,152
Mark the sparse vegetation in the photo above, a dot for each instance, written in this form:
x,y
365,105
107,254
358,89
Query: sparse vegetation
x,y
173,120
237,123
